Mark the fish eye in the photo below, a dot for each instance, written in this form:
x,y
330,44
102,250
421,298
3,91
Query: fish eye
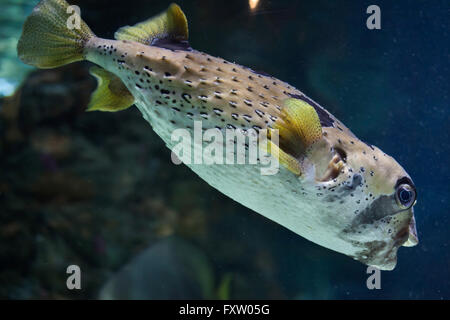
x,y
405,196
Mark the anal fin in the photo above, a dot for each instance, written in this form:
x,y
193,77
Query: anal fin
x,y
111,94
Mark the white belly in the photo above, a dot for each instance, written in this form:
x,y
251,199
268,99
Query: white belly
x,y
282,198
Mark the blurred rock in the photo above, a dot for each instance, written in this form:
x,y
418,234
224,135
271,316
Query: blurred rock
x,y
168,269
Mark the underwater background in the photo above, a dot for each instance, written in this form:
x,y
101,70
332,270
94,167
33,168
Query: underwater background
x,y
98,190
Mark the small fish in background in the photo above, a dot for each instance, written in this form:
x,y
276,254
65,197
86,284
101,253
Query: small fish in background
x,y
171,268
332,188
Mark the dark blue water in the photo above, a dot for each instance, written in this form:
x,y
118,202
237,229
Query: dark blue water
x,y
391,87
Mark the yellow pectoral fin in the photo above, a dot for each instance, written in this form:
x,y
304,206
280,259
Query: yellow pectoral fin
x,y
111,94
284,159
171,24
300,124
299,127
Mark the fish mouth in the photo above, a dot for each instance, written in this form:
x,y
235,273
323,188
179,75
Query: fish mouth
x,y
381,251
405,237
413,239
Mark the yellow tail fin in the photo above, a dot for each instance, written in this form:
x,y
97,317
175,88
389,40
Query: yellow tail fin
x,y
53,35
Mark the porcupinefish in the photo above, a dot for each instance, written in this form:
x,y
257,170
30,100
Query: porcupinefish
x,y
331,188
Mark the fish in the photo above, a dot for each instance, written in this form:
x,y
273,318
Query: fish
x,y
331,188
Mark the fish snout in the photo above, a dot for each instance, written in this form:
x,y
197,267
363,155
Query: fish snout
x,y
406,236
413,239
379,247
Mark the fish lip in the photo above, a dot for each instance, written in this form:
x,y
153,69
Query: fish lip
x,y
413,238
383,254
407,236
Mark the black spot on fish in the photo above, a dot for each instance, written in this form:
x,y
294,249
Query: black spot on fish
x,y
233,103
369,145
247,117
185,97
259,113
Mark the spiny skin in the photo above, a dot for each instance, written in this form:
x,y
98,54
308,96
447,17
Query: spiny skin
x,y
348,204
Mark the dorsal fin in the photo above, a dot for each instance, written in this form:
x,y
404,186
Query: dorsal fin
x,y
169,26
